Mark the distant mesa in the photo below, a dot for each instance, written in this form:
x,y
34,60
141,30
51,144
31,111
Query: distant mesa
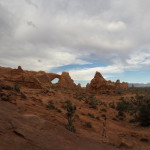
x,y
139,85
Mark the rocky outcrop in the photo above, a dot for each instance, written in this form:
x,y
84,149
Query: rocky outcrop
x,y
36,80
132,86
66,81
79,86
101,86
124,85
119,85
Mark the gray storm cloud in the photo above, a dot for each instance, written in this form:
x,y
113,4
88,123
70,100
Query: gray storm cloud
x,y
62,32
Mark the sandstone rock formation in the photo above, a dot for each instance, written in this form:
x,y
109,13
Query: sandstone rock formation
x,y
35,80
123,85
79,86
101,86
132,86
66,81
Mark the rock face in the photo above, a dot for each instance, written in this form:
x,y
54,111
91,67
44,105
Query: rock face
x,y
79,86
101,86
35,80
123,85
66,81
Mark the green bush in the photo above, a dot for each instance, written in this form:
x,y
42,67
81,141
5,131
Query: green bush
x,y
80,96
112,105
103,115
124,105
144,115
97,118
58,110
70,108
120,115
141,109
91,115
121,98
114,118
1,86
50,105
132,120
104,110
104,104
92,101
120,92
88,124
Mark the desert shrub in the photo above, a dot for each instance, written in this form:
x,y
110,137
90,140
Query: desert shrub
x,y
70,115
104,104
120,115
50,105
97,118
88,124
80,96
63,106
58,110
104,110
124,105
103,115
1,86
132,120
121,106
92,101
91,115
17,87
122,98
141,109
144,115
112,105
120,92
139,90
114,118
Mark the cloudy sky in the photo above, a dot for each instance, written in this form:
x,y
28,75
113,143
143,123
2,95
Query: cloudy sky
x,y
78,36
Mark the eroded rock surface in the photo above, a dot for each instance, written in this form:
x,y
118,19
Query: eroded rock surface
x,y
101,86
35,80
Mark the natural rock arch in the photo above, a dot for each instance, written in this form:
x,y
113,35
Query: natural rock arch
x,y
55,80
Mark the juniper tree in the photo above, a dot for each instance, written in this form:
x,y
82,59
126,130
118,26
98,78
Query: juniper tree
x,y
70,115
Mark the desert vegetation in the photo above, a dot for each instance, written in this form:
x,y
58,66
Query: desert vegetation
x,y
70,108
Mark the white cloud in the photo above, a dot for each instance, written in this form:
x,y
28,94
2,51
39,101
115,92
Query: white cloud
x,y
139,58
136,61
116,26
41,35
88,73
